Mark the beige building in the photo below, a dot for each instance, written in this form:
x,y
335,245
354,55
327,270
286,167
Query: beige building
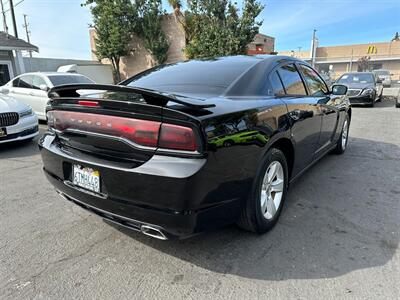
x,y
141,59
340,59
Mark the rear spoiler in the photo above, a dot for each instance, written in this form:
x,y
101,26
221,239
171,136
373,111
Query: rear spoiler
x,y
70,91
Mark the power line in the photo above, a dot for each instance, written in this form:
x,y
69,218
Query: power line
x,y
16,4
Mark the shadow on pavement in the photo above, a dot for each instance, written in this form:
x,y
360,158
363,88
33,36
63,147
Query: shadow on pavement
x,y
341,216
19,149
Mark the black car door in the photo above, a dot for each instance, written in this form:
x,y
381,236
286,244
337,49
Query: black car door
x,y
303,114
325,104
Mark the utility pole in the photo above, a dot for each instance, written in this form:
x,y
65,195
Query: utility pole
x,y
299,51
18,54
313,48
26,24
351,60
4,18
13,18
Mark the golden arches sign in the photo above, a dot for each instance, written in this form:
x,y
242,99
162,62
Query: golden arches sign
x,y
372,50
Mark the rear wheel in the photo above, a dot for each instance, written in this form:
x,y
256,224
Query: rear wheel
x,y
344,137
264,205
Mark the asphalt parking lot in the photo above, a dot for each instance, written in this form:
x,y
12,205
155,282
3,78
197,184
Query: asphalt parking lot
x,y
338,236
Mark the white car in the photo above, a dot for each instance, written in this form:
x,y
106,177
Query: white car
x,y
32,88
17,120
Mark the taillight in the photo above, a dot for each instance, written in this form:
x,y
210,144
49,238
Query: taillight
x,y
177,137
141,132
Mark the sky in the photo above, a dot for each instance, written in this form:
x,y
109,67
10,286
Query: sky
x,y
60,28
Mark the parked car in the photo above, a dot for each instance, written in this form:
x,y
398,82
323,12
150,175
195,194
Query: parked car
x,y
363,87
32,88
17,121
384,75
142,154
397,100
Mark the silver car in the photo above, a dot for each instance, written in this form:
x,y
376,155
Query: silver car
x,y
384,75
17,120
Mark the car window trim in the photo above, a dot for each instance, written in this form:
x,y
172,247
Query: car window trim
x,y
27,75
302,79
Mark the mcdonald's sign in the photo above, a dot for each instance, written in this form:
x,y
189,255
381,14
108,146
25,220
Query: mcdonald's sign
x,y
372,50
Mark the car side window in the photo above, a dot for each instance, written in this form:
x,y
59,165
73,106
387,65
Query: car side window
x,y
276,88
291,80
37,81
315,84
15,82
24,82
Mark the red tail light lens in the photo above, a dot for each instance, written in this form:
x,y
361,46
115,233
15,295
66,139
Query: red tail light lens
x,y
141,132
177,137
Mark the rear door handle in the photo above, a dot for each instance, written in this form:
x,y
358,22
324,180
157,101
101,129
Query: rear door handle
x,y
31,94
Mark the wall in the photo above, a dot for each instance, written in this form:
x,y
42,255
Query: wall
x,y
36,64
267,43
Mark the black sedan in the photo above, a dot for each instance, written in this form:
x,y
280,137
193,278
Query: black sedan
x,y
364,88
146,154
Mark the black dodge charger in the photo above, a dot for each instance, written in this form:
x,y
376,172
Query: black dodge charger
x,y
192,146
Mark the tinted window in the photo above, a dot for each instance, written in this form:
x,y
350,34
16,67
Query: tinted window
x,y
276,85
315,84
211,76
23,82
37,81
291,80
68,79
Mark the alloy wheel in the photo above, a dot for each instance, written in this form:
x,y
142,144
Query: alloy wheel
x,y
272,190
345,133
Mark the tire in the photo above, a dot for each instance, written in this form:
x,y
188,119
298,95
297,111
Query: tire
x,y
228,143
253,218
397,104
341,144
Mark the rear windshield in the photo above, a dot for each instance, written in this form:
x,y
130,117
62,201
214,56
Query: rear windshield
x,y
382,72
356,78
68,79
209,77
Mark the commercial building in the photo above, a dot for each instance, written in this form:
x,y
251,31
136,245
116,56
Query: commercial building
x,y
337,60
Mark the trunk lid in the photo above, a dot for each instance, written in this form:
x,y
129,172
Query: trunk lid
x,y
122,125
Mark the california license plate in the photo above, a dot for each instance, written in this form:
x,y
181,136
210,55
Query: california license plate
x,y
86,178
3,132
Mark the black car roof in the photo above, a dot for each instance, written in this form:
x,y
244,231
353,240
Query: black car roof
x,y
204,78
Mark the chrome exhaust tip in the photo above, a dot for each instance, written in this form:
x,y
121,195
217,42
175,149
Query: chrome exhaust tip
x,y
153,232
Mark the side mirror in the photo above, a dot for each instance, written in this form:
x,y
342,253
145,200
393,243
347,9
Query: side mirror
x,y
339,90
379,80
4,90
44,87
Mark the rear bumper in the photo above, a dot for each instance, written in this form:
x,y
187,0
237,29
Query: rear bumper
x,y
173,194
